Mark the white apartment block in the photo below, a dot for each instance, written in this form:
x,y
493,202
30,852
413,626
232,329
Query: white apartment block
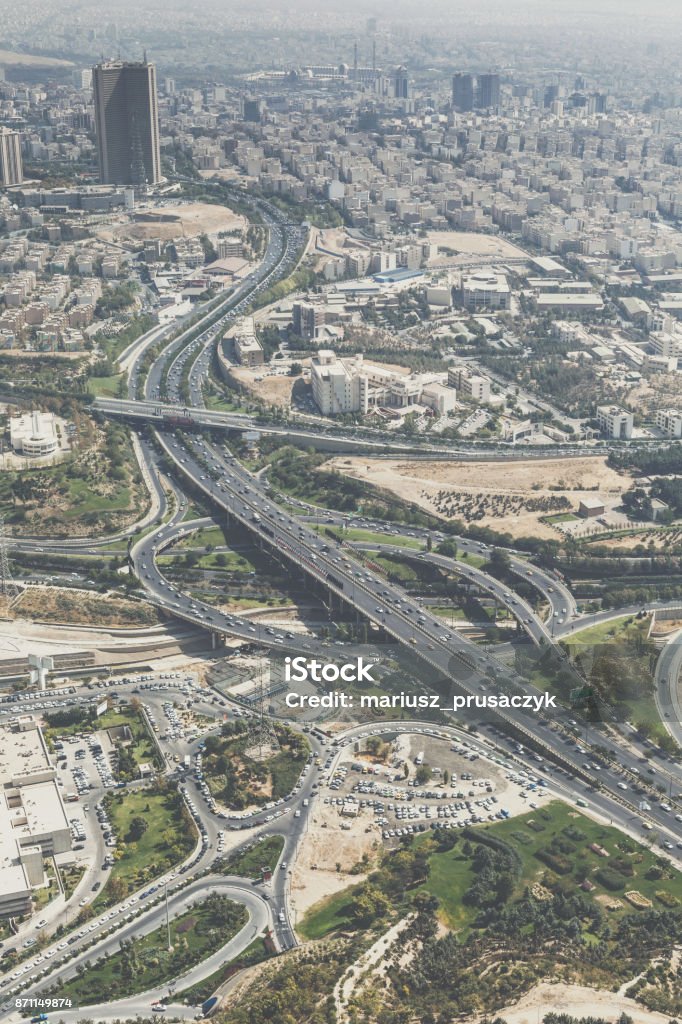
x,y
615,422
670,422
352,385
246,345
336,387
666,343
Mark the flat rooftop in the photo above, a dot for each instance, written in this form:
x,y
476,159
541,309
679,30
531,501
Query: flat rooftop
x,y
22,754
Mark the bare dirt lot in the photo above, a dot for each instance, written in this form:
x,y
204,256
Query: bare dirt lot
x,y
470,243
513,496
79,608
577,1001
662,540
276,389
315,875
183,220
387,774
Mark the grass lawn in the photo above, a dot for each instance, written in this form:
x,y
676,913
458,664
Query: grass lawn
x,y
370,537
395,568
146,962
83,500
219,403
553,845
562,517
628,862
105,387
202,538
623,642
225,561
602,633
448,613
329,914
167,840
475,561
250,863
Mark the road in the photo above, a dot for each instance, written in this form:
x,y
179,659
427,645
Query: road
x,y
667,681
232,488
135,926
332,568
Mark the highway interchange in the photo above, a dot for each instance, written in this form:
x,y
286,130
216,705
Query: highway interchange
x,y
174,382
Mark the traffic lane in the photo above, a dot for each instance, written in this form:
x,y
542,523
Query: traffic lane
x,y
666,686
555,592
235,889
519,608
389,620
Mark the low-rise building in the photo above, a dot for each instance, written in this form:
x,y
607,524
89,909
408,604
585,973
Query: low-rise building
x,y
591,508
247,347
33,822
34,433
485,289
472,385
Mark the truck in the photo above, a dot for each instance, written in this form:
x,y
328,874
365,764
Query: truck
x,y
419,759
187,762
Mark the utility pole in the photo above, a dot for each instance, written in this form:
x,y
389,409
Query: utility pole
x,y
170,945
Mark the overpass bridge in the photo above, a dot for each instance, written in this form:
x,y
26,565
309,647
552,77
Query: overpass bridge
x,y
169,416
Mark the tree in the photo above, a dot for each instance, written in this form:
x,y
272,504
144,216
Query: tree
x,y
137,828
370,903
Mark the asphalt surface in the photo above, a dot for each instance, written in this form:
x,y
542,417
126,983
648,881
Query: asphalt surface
x,y
568,762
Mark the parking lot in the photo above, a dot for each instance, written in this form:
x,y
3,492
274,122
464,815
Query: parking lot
x,y
418,782
86,761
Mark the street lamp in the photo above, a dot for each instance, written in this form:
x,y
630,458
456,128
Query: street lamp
x,y
170,945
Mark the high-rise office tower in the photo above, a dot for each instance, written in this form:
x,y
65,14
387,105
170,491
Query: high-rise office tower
x,y
127,122
463,92
401,83
11,166
488,91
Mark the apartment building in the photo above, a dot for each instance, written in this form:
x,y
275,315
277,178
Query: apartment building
x,y
615,422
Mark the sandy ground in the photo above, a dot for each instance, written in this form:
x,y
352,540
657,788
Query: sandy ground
x,y
334,239
20,638
83,608
27,60
275,390
661,539
224,174
470,243
421,482
577,1001
189,219
326,844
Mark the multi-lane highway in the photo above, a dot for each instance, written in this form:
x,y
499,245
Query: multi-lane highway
x,y
175,380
